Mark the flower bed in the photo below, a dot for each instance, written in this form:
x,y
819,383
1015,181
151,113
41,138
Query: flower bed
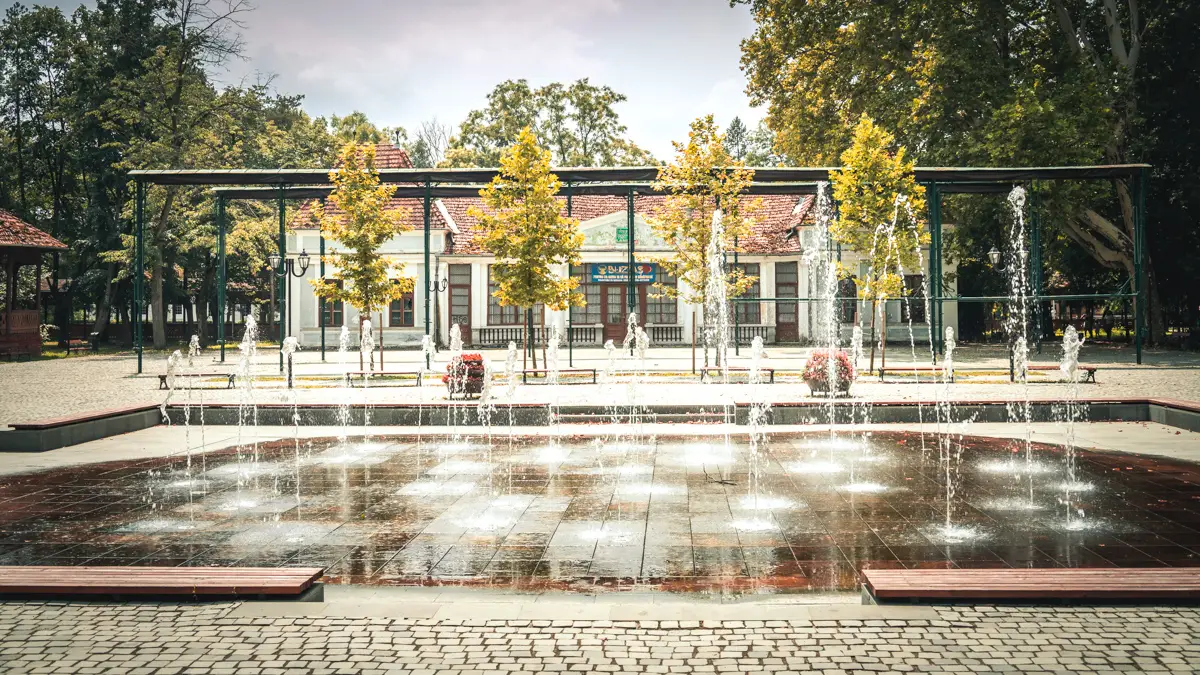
x,y
464,374
816,371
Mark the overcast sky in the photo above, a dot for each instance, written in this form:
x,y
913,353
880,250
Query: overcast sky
x,y
403,61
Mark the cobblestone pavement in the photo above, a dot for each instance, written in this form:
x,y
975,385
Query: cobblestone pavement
x,y
210,638
53,388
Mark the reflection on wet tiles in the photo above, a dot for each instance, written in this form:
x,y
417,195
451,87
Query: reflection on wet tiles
x,y
673,514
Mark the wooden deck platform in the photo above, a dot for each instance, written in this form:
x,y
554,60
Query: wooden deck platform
x,y
158,581
1174,583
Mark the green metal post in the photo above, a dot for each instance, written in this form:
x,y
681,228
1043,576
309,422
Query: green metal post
x,y
1139,252
570,310
139,272
321,302
736,320
937,320
221,274
428,277
1036,262
632,282
282,278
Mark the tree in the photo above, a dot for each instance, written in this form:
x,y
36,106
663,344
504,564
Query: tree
x,y
356,128
524,228
429,147
361,221
880,216
1028,82
703,177
577,122
737,141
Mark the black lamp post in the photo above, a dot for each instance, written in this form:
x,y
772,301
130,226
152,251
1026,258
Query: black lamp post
x,y
436,287
286,268
994,258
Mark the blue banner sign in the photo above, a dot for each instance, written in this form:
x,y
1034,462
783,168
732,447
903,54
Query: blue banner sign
x,y
618,273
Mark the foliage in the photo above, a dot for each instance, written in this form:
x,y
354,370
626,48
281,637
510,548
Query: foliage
x,y
880,210
978,83
816,369
577,122
737,142
526,231
702,177
361,221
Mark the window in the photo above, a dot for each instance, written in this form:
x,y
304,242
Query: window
x,y
460,297
848,306
589,314
749,312
400,313
500,315
332,310
912,307
661,310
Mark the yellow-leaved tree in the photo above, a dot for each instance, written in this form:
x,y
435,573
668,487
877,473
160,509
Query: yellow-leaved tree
x,y
701,178
880,216
525,229
357,217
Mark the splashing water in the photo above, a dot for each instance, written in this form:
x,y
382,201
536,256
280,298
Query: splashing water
x,y
290,346
716,302
173,363
366,345
510,369
193,351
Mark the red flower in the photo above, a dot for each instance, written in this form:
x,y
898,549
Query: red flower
x,y
817,368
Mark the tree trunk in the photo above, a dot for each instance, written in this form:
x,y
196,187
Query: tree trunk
x,y
871,366
883,339
530,337
158,303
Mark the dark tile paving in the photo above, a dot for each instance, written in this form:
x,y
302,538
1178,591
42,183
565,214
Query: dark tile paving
x,y
673,513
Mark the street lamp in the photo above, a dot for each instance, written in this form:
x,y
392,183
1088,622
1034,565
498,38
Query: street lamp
x,y
436,287
994,258
286,268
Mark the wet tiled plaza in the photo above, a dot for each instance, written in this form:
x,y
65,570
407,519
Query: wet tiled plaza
x,y
799,513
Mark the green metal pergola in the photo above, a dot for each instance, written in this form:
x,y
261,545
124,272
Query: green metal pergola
x,y
628,182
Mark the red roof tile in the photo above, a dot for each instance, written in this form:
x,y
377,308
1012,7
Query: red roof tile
x,y
772,233
16,232
388,156
414,216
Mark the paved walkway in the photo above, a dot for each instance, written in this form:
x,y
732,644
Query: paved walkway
x,y
44,389
233,638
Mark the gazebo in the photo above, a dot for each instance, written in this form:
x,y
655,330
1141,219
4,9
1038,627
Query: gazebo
x,y
22,245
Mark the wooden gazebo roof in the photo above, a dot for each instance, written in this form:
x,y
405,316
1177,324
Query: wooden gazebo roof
x,y
16,233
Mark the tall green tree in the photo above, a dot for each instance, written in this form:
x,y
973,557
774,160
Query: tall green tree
x,y
361,221
578,123
737,141
525,229
971,82
880,216
702,177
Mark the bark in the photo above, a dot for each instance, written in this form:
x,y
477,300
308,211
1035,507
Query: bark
x,y
157,299
871,367
104,306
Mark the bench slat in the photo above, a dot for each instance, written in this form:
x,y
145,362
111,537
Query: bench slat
x,y
1124,583
158,580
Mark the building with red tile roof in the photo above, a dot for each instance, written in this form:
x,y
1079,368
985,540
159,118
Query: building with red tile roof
x,y
21,245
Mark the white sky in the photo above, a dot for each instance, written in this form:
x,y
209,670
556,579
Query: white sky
x,y
402,61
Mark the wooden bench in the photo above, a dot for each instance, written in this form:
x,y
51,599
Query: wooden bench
x,y
353,375
181,581
1035,584
769,372
1089,372
573,371
231,378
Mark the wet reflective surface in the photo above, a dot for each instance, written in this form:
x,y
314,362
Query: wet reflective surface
x,y
674,513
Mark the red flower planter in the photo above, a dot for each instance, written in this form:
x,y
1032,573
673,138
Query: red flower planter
x,y
464,375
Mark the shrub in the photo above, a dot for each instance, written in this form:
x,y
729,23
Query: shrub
x,y
465,373
817,369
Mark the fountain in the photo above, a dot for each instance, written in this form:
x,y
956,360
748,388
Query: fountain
x,y
716,303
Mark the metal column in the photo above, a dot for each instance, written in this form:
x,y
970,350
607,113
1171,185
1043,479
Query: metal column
x,y
737,351
1035,258
1139,251
570,309
321,301
282,279
139,273
221,272
427,275
632,282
